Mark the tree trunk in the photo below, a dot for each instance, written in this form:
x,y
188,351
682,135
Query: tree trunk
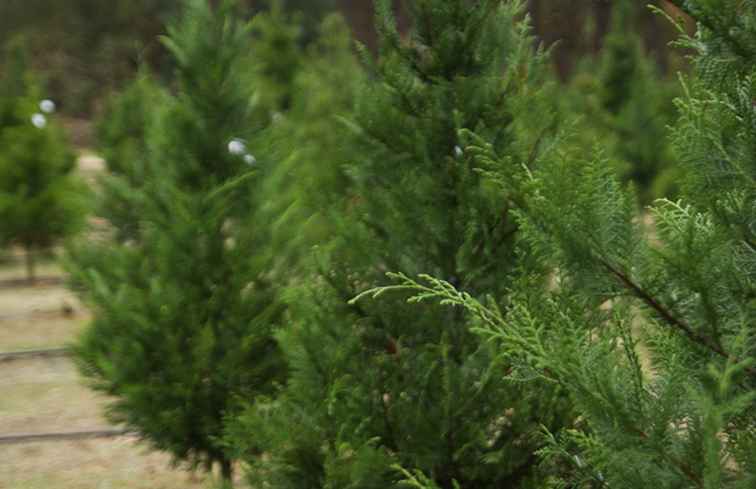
x,y
29,259
227,472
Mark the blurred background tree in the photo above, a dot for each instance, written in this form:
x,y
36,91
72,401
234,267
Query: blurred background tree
x,y
41,200
121,132
17,84
626,102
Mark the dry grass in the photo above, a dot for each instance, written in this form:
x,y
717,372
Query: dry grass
x,y
15,269
39,331
46,395
39,395
25,302
120,463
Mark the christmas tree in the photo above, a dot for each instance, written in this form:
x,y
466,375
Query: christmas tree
x,y
183,314
307,141
19,88
652,332
41,200
122,134
626,104
378,386
277,58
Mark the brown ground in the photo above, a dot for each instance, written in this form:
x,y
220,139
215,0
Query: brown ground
x,y
120,463
39,395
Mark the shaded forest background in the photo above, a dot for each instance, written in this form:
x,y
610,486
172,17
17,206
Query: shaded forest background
x,y
85,49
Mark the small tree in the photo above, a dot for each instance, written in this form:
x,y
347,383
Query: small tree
x,y
654,336
627,104
377,386
307,142
122,135
19,89
277,59
307,139
41,200
183,315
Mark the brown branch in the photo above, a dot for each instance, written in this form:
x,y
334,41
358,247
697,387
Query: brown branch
x,y
669,317
390,438
663,311
686,469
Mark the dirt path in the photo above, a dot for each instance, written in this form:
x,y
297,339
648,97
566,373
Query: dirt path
x,y
46,395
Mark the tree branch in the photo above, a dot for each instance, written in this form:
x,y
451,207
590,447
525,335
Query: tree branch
x,y
663,311
736,45
669,317
683,467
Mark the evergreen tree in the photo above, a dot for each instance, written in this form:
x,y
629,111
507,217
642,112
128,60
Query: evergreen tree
x,y
277,58
313,13
308,144
18,87
122,135
183,315
627,105
653,335
41,200
377,386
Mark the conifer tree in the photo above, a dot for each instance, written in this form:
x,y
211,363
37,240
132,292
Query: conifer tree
x,y
18,87
41,199
277,58
627,105
652,334
378,386
122,135
639,102
308,145
307,141
182,316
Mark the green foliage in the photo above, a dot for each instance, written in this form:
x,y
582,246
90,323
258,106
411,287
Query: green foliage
x,y
277,58
18,86
377,385
627,104
183,315
41,200
650,331
308,144
125,123
122,135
